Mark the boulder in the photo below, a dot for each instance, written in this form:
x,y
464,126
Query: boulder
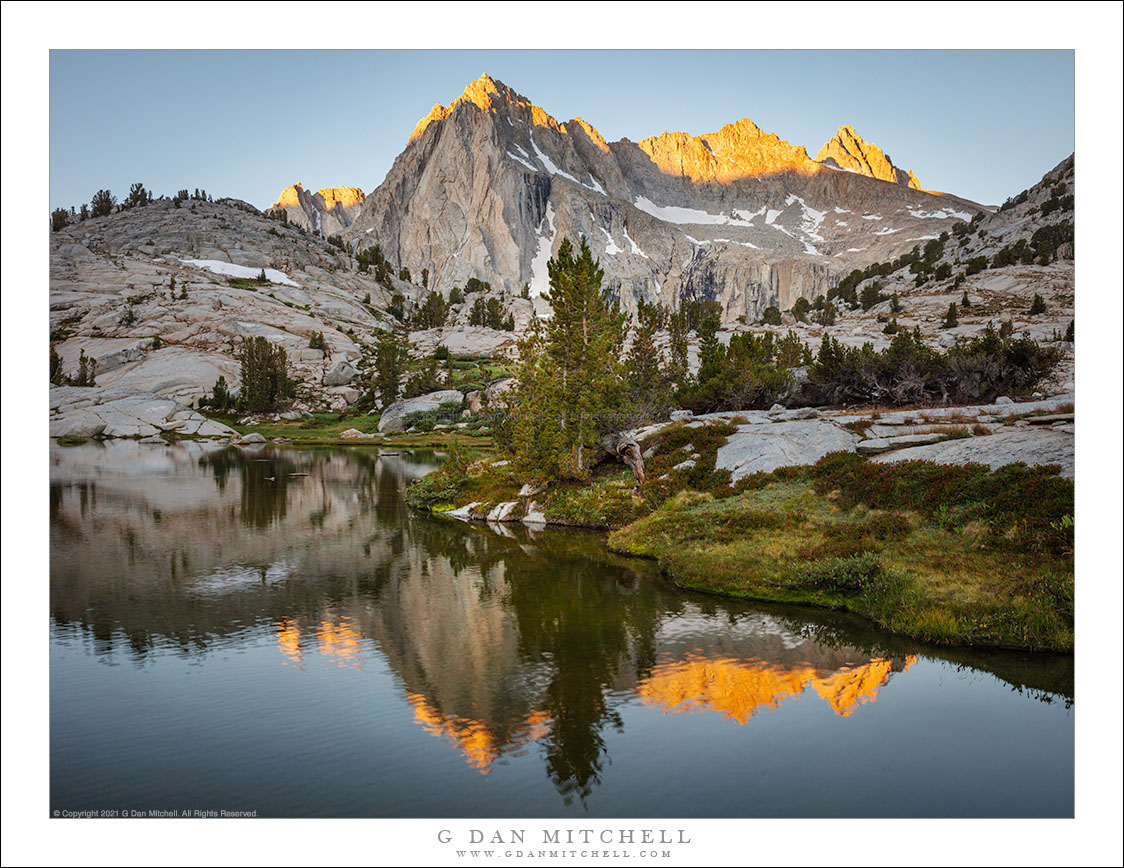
x,y
395,415
681,415
252,437
497,390
342,374
762,448
473,403
878,445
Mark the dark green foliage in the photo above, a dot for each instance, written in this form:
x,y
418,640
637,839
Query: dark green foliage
x,y
138,196
1047,239
1056,203
220,400
892,327
950,320
405,275
129,317
771,316
432,313
649,387
745,376
909,372
975,265
317,342
1069,332
474,284
441,353
1037,306
1020,505
426,420
59,219
942,272
800,309
526,291
895,304
443,486
696,311
391,355
265,375
825,314
571,380
871,295
102,203
965,302
84,376
845,575
1017,200
425,278
397,306
56,366
488,312
337,242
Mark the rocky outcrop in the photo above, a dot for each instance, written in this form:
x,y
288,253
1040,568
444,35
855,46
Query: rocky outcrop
x,y
488,186
328,211
394,416
86,412
847,150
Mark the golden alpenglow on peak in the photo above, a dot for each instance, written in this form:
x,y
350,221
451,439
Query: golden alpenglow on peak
x,y
489,94
737,150
345,197
289,197
848,150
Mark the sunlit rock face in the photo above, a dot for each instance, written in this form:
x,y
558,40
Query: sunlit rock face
x,y
489,185
328,211
848,150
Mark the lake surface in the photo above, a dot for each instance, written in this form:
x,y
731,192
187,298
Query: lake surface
x,y
275,631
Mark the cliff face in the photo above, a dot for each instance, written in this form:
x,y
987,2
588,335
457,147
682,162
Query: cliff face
x,y
488,186
330,210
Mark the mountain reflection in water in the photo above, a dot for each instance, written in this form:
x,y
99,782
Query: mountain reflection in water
x,y
502,642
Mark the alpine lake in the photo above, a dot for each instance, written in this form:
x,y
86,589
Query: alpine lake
x,y
274,630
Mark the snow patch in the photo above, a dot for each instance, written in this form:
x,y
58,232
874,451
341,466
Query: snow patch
x,y
517,159
611,248
872,216
887,231
232,270
540,279
635,248
597,186
686,216
939,214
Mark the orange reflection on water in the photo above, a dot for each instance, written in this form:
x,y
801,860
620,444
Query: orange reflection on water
x,y
738,689
472,737
289,640
340,642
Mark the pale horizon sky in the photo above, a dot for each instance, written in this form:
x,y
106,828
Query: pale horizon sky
x,y
979,124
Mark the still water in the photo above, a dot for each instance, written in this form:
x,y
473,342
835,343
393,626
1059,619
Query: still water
x,y
275,631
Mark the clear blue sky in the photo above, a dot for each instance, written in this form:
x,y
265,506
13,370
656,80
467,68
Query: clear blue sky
x,y
980,124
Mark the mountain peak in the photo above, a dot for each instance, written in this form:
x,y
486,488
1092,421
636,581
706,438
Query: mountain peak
x,y
490,95
849,151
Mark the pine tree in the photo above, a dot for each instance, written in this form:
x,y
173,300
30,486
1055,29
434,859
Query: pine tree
x,y
59,219
390,364
649,389
677,347
950,320
571,382
265,375
102,203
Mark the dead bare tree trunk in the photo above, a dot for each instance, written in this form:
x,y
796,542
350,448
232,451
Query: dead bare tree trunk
x,y
624,447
